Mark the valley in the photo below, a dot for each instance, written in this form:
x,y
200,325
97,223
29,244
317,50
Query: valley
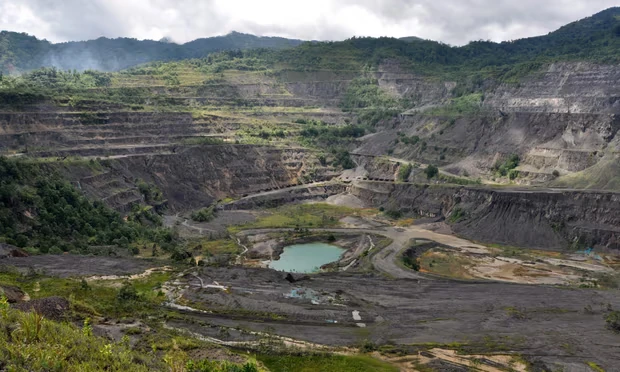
x,y
477,207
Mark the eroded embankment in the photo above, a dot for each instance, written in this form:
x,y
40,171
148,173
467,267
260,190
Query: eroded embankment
x,y
546,219
196,176
287,195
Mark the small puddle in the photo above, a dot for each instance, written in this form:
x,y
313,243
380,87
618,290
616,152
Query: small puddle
x,y
306,258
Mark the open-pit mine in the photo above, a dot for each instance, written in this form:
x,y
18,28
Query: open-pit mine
x,y
273,211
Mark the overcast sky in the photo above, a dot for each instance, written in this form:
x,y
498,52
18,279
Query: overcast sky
x,y
451,21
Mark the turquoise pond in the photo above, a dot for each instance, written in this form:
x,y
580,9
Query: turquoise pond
x,y
306,258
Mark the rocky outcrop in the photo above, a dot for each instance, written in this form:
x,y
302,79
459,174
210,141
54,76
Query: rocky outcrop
x,y
420,91
13,294
288,195
95,134
571,88
7,250
54,308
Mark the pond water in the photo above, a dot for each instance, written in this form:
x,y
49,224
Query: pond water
x,y
306,258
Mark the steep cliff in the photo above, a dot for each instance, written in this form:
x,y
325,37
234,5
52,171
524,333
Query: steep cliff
x,y
560,120
545,219
197,176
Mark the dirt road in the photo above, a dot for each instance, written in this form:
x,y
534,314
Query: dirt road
x,y
387,260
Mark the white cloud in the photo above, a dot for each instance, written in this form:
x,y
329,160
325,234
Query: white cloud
x,y
450,21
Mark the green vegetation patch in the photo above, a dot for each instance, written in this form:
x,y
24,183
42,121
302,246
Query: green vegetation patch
x,y
365,92
404,171
39,210
595,367
507,167
33,343
110,298
38,344
204,215
458,180
324,363
214,247
613,321
444,264
302,216
470,104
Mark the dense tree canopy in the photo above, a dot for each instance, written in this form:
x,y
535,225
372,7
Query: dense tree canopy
x,y
38,209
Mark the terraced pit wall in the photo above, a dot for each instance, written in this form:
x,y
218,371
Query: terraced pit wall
x,y
560,120
544,219
197,176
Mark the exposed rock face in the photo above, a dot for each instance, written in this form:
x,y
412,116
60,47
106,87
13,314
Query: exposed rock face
x,y
563,88
95,134
54,308
565,118
13,294
537,219
197,176
421,91
7,250
287,196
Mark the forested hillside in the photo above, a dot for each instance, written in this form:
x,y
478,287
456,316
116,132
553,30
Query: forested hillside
x,y
21,52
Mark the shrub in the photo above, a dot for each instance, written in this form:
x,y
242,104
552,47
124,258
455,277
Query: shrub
x,y
127,293
344,160
204,215
503,169
513,174
457,215
150,192
368,346
613,321
412,263
413,140
404,171
556,173
431,171
394,213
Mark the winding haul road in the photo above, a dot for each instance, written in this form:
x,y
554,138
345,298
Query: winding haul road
x,y
386,260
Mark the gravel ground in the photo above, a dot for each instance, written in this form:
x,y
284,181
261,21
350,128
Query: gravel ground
x,y
69,265
541,322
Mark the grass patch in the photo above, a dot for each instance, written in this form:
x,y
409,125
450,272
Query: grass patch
x,y
214,247
38,344
595,367
324,363
302,216
444,264
101,297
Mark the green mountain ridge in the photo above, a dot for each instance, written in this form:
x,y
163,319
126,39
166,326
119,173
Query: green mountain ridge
x,y
22,52
592,38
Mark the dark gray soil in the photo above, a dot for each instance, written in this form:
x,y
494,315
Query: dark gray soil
x,y
70,265
216,228
54,308
549,323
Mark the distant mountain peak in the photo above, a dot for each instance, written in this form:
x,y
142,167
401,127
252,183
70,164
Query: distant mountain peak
x,y
410,38
167,40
